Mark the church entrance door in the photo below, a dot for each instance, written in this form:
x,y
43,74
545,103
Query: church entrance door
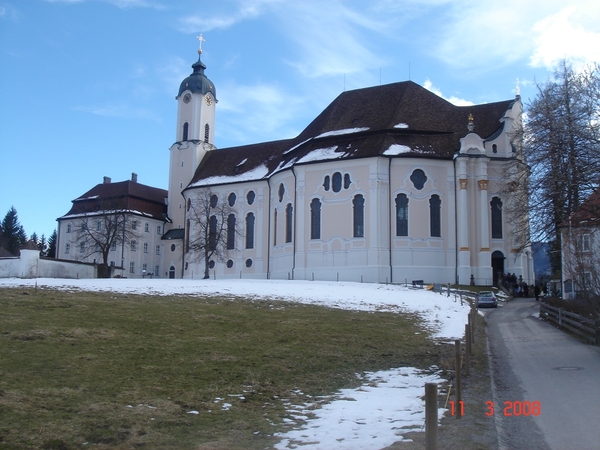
x,y
172,272
497,265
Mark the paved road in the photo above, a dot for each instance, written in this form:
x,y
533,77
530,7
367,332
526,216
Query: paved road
x,y
533,361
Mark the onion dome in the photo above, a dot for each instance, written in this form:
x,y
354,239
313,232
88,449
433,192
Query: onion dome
x,y
197,82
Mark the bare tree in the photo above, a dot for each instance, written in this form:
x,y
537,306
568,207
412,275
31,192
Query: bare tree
x,y
98,234
211,228
562,147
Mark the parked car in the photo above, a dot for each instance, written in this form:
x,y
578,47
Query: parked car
x,y
487,299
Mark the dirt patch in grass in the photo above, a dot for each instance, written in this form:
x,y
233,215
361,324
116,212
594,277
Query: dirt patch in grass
x,y
127,371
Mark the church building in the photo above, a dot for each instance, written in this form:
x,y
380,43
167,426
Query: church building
x,y
388,184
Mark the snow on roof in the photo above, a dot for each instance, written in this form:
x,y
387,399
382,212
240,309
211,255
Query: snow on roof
x,y
397,149
321,154
257,173
401,125
340,132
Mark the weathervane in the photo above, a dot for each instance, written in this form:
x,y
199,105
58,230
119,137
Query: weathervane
x,y
201,40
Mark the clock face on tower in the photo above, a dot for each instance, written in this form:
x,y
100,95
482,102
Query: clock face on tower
x,y
187,97
208,100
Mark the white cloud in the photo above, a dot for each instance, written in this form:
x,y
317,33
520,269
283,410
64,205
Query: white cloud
x,y
120,111
559,36
123,4
257,113
454,100
487,35
204,21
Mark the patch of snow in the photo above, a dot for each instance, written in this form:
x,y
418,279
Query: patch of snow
x,y
242,162
193,412
341,132
290,150
401,125
321,154
372,416
397,149
257,173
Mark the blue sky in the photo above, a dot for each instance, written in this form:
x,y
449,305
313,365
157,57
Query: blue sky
x,y
87,87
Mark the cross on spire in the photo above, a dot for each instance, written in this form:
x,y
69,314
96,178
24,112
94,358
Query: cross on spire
x,y
201,40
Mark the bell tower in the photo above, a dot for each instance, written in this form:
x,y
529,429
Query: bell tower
x,y
194,135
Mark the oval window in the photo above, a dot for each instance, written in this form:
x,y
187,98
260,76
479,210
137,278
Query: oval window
x,y
250,197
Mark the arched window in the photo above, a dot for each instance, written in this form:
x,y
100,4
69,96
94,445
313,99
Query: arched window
x,y
186,127
358,204
401,215
288,222
496,205
250,230
326,182
281,191
231,232
250,197
67,248
435,206
206,132
212,232
214,200
315,219
336,182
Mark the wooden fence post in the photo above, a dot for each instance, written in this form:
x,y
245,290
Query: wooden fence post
x,y
431,416
468,349
457,374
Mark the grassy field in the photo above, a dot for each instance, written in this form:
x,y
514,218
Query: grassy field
x,y
124,371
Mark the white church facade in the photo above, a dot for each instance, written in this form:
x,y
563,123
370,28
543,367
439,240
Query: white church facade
x,y
388,184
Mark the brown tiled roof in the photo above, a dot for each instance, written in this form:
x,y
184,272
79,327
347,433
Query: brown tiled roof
x,y
588,213
357,124
125,195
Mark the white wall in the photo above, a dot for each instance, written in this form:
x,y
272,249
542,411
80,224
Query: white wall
x,y
30,265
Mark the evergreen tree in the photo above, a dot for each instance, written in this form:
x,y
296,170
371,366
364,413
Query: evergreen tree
x,y
51,251
13,233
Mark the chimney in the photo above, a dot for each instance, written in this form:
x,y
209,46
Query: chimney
x,y
134,177
107,180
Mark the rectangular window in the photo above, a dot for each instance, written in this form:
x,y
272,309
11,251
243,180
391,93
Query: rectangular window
x,y
435,205
147,227
82,247
113,246
158,230
133,246
250,230
358,204
145,247
98,226
134,225
289,210
158,249
131,267
67,248
231,232
315,219
156,271
585,243
401,215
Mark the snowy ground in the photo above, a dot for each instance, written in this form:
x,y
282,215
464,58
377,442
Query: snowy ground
x,y
370,417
